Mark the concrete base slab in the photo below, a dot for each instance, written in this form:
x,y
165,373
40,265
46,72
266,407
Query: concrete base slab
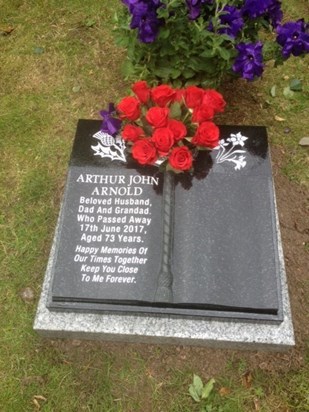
x,y
157,329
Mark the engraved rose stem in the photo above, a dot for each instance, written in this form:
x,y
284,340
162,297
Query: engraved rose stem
x,y
164,291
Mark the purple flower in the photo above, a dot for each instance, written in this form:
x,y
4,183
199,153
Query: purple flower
x,y
110,124
294,38
275,13
249,62
232,20
270,9
194,7
130,3
144,18
146,21
254,8
151,3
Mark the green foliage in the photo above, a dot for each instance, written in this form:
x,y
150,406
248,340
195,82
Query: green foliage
x,y
200,393
187,52
183,52
295,85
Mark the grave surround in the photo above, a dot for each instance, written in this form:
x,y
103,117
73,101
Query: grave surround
x,y
228,284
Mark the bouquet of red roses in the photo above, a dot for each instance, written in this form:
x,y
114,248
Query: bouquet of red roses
x,y
166,126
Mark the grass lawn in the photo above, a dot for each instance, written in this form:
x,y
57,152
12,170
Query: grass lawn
x,y
59,64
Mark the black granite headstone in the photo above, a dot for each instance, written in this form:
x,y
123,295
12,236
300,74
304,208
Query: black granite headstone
x,y
134,239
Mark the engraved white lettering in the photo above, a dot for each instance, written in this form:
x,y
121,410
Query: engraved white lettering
x,y
110,229
108,269
128,260
145,180
129,239
87,268
116,191
101,179
114,210
91,238
131,210
97,278
86,249
138,219
120,279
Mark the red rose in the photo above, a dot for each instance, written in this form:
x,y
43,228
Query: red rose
x,y
207,135
181,158
131,132
178,128
157,116
129,108
163,139
180,94
202,113
144,151
193,96
163,95
141,90
214,99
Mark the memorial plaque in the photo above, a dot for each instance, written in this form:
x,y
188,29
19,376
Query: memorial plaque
x,y
133,239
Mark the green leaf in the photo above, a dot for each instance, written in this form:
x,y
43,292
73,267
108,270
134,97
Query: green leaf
x,y
163,12
163,72
296,85
287,92
218,40
164,34
122,41
198,384
175,110
194,394
175,73
127,69
273,91
224,53
206,53
226,37
208,388
270,50
191,82
177,83
90,23
279,60
187,73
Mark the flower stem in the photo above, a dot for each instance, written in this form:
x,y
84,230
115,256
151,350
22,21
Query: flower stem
x,y
164,291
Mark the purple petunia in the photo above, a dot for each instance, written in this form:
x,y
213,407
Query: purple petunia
x,y
249,62
110,124
130,3
294,38
144,18
274,13
232,20
254,8
195,7
270,9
